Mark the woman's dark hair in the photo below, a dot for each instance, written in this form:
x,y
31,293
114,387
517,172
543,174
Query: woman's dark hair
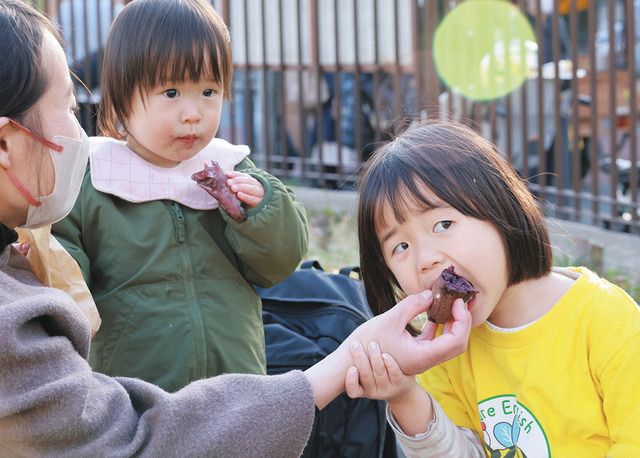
x,y
465,171
153,42
23,78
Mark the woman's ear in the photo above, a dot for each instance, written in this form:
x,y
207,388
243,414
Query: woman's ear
x,y
7,133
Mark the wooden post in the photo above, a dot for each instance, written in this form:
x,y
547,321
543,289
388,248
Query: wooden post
x,y
431,89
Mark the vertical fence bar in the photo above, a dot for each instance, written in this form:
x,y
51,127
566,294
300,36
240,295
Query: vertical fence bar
x,y
226,16
337,84
575,153
431,80
358,84
492,121
248,96
396,67
612,109
542,160
315,62
303,118
99,41
446,8
86,68
508,127
593,121
633,114
377,135
265,137
524,117
72,31
282,105
476,115
415,54
558,143
464,110
451,94
113,10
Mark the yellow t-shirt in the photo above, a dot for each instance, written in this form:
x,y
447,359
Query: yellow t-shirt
x,y
568,385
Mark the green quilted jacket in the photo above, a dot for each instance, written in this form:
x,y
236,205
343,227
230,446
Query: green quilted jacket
x,y
173,285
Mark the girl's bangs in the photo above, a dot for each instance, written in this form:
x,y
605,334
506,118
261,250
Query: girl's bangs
x,y
402,191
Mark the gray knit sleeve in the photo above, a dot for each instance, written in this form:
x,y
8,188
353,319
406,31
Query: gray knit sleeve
x,y
53,404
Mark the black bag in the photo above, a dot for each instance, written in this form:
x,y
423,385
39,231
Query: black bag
x,y
306,317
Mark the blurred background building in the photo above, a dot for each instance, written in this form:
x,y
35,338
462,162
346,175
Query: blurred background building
x,y
319,83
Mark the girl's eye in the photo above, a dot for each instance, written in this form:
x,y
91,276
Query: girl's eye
x,y
400,247
442,226
208,92
171,93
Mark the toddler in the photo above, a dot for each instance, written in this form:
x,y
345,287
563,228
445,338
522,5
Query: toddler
x,y
170,271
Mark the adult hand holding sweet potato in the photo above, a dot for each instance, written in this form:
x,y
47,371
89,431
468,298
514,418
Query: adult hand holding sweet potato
x,y
413,354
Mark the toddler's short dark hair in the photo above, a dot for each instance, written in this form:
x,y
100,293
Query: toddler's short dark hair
x,y
156,41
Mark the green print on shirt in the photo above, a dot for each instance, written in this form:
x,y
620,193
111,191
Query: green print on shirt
x,y
510,429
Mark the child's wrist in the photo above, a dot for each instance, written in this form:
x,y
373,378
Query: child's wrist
x,y
414,411
412,392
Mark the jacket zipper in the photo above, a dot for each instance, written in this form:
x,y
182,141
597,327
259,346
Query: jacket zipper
x,y
190,291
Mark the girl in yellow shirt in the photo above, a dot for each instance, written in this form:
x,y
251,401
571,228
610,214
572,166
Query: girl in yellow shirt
x,y
553,359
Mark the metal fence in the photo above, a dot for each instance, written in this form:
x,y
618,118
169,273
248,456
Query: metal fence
x,y
319,83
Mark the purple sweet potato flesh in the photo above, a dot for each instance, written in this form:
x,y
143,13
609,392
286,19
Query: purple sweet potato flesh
x,y
447,288
213,180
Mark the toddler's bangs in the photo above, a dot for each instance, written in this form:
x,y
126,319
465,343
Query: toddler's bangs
x,y
188,62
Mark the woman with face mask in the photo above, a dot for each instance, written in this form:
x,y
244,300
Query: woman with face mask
x,y
51,402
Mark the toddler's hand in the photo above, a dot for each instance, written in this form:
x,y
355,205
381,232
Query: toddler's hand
x,y
23,248
248,189
376,375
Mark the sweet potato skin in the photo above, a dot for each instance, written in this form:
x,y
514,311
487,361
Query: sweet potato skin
x,y
447,288
213,180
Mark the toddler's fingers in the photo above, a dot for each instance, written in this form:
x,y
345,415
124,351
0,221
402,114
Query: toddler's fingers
x,y
243,179
361,361
23,248
248,199
234,174
352,385
248,188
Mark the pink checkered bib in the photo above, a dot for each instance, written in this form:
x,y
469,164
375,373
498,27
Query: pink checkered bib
x,y
117,170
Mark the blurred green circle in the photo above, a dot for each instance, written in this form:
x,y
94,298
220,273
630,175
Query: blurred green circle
x,y
483,48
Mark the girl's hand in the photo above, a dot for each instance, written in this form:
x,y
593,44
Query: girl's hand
x,y
248,189
376,375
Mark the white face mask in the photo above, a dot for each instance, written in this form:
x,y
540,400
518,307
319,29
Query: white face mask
x,y
70,166
69,158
